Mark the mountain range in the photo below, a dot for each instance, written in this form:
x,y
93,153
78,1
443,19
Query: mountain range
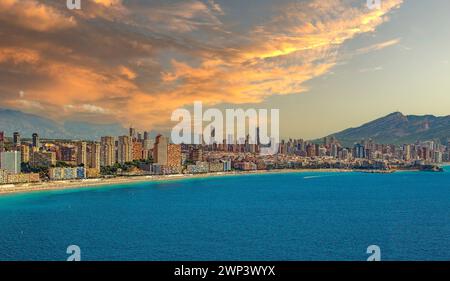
x,y
16,121
394,128
397,128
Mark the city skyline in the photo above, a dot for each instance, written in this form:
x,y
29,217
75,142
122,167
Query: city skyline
x,y
134,62
137,154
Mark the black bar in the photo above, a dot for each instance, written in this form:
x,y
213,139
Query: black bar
x,y
274,270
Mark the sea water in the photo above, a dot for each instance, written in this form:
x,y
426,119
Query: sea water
x,y
280,216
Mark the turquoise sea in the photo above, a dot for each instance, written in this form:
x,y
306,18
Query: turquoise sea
x,y
287,216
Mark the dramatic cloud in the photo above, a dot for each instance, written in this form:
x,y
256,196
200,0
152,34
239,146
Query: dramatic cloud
x,y
33,15
137,61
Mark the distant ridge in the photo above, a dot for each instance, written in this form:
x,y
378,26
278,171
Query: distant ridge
x,y
16,121
394,128
397,128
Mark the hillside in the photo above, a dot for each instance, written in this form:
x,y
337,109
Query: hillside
x,y
397,128
16,121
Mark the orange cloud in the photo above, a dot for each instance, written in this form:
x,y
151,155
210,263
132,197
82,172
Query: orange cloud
x,y
108,2
18,56
136,63
34,15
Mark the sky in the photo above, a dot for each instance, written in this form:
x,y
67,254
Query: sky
x,y
326,65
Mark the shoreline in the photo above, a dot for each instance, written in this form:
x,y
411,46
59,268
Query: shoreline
x,y
103,182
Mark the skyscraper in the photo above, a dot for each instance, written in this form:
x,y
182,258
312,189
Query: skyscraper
x,y
359,151
124,149
437,157
132,133
36,141
148,148
407,152
160,150
310,150
93,156
107,151
16,139
10,161
334,150
25,153
82,154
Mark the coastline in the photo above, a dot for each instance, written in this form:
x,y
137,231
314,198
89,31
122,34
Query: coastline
x,y
102,182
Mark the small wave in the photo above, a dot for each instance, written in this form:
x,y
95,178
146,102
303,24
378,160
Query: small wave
x,y
313,177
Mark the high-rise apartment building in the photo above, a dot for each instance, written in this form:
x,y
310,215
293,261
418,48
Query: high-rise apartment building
x,y
160,150
93,156
437,157
82,153
107,151
36,140
25,153
147,151
310,150
132,133
16,139
407,152
359,151
124,149
334,150
10,161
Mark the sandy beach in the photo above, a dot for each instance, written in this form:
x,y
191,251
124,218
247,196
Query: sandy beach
x,y
78,184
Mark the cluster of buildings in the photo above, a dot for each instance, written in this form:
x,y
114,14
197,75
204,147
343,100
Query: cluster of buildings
x,y
10,167
430,152
70,159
